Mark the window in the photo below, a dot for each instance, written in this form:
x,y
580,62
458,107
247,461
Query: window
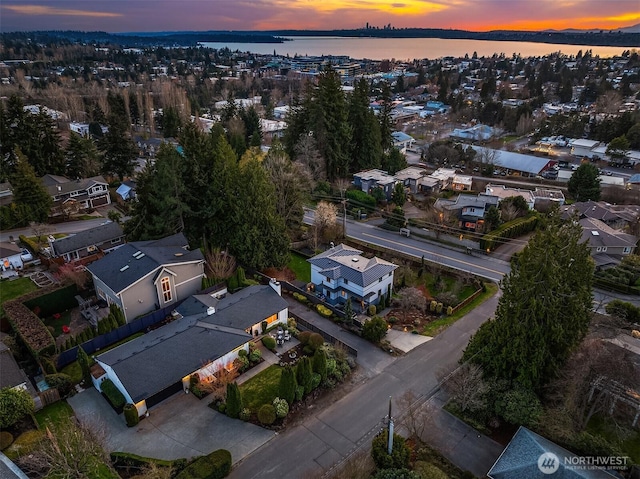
x,y
343,293
380,280
346,281
328,279
166,289
601,249
627,250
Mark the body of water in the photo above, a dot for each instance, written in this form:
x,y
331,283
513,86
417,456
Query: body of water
x,y
408,48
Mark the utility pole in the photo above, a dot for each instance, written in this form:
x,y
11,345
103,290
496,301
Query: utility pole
x,y
390,430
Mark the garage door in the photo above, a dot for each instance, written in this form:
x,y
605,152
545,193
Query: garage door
x,y
164,394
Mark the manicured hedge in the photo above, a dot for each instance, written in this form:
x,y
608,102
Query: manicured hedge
x,y
30,328
512,229
212,466
115,397
131,414
269,342
125,460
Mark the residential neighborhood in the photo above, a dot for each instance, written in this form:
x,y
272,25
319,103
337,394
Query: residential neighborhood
x,y
264,265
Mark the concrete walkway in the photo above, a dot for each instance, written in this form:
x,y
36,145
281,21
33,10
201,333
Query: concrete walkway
x,y
405,341
180,427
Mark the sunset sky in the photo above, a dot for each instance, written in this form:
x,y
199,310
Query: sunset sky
x,y
159,15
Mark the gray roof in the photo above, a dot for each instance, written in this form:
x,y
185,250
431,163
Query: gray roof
x,y
163,252
93,236
465,201
347,263
247,307
603,211
11,374
519,162
597,233
9,249
58,185
519,460
162,357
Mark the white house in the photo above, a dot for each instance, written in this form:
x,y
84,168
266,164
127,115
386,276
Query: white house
x,y
206,336
582,148
342,272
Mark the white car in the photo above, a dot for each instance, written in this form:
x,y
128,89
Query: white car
x,y
26,255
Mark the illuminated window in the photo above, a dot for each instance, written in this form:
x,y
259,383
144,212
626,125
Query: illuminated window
x,y
166,289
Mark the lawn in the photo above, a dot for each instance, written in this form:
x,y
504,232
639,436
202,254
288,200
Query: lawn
x,y
301,267
55,414
57,323
441,324
447,284
14,289
262,388
74,371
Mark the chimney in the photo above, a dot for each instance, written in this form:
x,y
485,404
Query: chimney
x,y
276,286
210,310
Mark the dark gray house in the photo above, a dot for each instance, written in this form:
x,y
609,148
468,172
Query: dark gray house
x,y
101,239
207,335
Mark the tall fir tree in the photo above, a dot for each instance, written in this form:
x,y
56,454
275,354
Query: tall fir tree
x,y
287,386
30,198
82,157
234,400
119,150
330,124
544,310
386,122
366,142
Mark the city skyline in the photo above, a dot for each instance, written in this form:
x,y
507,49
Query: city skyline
x,y
195,15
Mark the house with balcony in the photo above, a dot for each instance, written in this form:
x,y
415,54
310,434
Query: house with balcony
x,y
144,276
410,177
94,242
71,196
469,210
369,180
206,336
504,192
342,273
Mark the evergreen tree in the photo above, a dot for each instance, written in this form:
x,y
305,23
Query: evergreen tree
x,y
252,127
366,147
617,148
386,122
330,125
348,311
320,363
393,161
83,360
584,183
171,122
398,196
117,314
234,400
30,198
82,157
304,374
119,150
287,386
258,236
544,311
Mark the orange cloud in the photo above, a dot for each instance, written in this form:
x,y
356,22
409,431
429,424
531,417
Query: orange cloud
x,y
603,22
42,10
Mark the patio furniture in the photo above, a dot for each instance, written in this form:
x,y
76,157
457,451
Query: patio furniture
x,y
287,336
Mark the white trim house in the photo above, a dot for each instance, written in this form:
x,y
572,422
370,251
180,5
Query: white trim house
x,y
342,272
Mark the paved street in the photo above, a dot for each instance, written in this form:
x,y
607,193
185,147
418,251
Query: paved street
x,y
69,227
326,437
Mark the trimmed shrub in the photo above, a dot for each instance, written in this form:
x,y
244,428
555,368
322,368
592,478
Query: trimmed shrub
x,y
400,453
281,407
245,414
16,403
300,297
131,415
62,382
320,363
115,397
303,337
316,379
6,439
234,400
372,310
315,341
449,310
511,229
269,342
304,373
299,393
375,329
432,306
125,460
439,308
426,469
255,356
212,466
242,353
287,386
267,414
323,310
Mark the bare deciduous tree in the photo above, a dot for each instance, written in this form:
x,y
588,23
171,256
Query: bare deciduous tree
x,y
411,298
466,387
325,218
307,153
220,264
415,415
75,450
72,274
40,231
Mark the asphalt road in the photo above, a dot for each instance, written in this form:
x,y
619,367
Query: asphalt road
x,y
69,227
478,264
327,437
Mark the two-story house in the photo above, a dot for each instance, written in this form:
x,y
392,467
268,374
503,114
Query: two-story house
x,y
368,180
607,245
144,276
342,272
75,195
470,210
